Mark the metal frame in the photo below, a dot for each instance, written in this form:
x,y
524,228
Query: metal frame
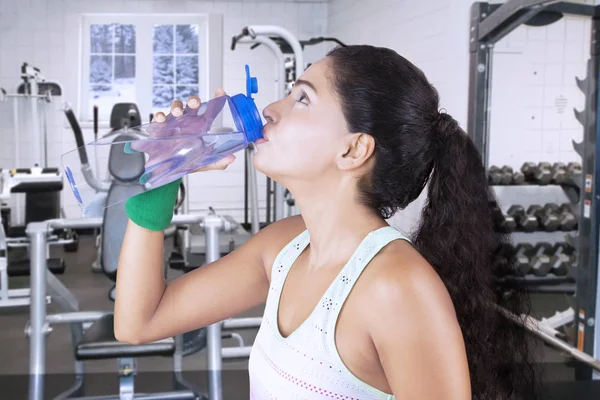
x,y
40,323
489,24
280,85
261,34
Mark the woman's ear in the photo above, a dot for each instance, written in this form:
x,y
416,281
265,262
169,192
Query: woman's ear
x,y
358,149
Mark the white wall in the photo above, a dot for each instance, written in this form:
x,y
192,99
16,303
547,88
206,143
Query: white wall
x,y
34,31
533,71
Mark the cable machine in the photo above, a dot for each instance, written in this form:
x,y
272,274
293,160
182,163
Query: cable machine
x,y
289,55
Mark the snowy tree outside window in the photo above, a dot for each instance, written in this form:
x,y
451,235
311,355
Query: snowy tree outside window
x,y
175,67
148,59
112,64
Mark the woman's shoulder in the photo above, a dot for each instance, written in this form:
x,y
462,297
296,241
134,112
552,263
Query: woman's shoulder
x,y
275,236
399,278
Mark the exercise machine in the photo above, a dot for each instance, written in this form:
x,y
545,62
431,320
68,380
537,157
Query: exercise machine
x,y
31,104
288,68
92,331
289,55
14,181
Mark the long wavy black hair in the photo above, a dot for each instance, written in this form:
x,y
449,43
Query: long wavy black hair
x,y
416,146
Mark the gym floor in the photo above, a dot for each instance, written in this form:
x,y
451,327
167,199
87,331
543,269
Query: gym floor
x,y
91,290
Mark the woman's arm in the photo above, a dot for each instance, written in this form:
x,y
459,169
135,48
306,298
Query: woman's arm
x,y
416,334
147,309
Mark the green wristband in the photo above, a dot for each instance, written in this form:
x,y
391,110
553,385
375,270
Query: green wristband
x,y
153,210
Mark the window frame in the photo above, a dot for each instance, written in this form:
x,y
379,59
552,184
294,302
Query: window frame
x,y
210,56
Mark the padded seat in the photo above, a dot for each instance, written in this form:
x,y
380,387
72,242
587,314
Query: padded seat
x,y
99,343
21,268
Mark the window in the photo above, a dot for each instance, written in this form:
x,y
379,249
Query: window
x,y
175,68
150,60
112,64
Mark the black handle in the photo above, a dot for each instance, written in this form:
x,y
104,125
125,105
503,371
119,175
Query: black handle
x,y
95,122
78,135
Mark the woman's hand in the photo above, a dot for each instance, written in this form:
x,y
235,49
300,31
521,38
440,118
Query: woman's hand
x,y
192,104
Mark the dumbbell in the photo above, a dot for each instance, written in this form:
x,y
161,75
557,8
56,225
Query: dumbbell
x,y
503,223
502,258
574,168
560,264
540,173
527,222
540,259
563,248
494,175
541,265
518,178
522,264
500,176
559,173
545,216
566,219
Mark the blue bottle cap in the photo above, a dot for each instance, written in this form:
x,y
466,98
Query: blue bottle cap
x,y
245,113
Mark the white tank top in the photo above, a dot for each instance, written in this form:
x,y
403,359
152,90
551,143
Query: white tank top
x,y
306,364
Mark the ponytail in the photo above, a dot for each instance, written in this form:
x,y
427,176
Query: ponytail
x,y
457,237
383,94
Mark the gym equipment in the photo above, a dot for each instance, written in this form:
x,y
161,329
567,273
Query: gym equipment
x,y
574,168
563,248
488,24
500,176
503,223
12,181
30,106
97,341
540,174
547,220
568,220
525,221
522,262
560,264
518,178
278,191
503,256
288,51
548,334
559,173
541,265
124,171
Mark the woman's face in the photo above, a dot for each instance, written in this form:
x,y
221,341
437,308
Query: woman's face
x,y
305,132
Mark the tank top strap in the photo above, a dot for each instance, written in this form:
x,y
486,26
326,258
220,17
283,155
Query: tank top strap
x,y
366,251
286,258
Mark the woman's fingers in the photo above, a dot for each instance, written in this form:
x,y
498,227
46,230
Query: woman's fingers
x,y
218,165
193,102
159,117
177,108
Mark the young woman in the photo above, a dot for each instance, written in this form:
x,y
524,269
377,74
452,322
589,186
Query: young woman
x,y
354,309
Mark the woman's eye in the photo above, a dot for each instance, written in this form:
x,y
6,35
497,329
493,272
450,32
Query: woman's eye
x,y
302,98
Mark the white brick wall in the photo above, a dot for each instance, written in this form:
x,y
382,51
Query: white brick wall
x,y
534,68
34,31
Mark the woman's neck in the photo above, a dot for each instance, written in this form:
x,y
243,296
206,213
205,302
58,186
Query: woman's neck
x,y
337,224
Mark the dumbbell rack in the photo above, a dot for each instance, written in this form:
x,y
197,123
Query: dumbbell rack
x,y
489,24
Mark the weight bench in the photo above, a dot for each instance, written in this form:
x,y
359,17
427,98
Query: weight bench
x,y
98,342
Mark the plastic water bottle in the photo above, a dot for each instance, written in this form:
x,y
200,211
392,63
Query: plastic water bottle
x,y
155,154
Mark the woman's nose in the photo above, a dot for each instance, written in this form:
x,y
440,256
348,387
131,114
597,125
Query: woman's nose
x,y
270,113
